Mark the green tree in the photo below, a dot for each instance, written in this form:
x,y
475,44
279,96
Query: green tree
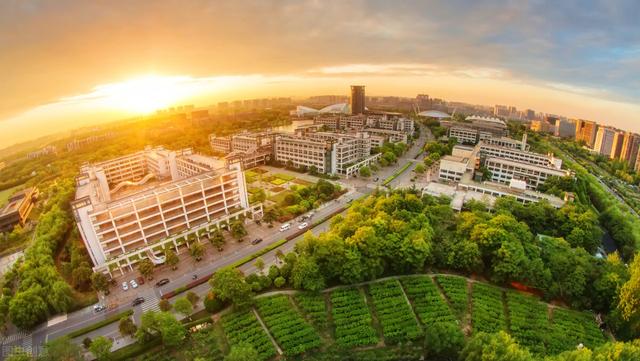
x,y
237,229
59,296
100,282
444,341
217,239
420,168
193,298
81,276
279,281
101,348
629,300
26,309
127,327
171,258
197,251
493,347
173,332
146,268
165,305
62,349
228,284
242,352
306,275
365,171
259,263
183,306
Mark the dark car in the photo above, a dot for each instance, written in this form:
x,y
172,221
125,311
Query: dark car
x,y
137,301
256,241
162,282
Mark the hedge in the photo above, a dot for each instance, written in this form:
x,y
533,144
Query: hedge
x,y
396,174
100,324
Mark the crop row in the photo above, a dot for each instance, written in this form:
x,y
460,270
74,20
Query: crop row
x,y
488,309
243,327
571,328
428,303
529,322
455,288
288,327
351,318
313,305
394,312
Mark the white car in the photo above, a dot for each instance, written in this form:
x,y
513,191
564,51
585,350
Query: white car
x,y
125,286
134,284
303,225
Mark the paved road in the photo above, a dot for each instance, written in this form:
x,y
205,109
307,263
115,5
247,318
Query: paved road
x,y
86,316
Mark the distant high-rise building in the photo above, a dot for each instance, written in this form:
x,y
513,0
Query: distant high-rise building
x,y
357,99
565,128
586,131
604,142
618,142
630,147
531,114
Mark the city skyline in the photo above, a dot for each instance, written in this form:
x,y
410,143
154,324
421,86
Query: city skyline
x,y
128,58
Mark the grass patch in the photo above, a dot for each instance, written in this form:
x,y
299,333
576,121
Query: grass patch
x,y
396,174
100,324
253,190
135,349
279,198
284,177
5,194
277,181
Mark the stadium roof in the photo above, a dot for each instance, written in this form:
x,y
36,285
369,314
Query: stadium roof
x,y
434,114
336,108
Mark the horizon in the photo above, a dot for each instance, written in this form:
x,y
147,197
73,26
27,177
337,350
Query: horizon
x,y
130,58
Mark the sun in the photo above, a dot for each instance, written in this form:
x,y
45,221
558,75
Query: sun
x,y
143,95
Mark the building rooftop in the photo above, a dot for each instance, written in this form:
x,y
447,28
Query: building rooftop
x,y
434,114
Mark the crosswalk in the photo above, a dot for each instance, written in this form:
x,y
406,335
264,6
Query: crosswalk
x,y
22,340
152,304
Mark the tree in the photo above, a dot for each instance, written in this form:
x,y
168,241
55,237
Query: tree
x,y
193,298
59,296
101,348
444,340
629,302
146,268
420,168
237,229
493,347
229,284
279,281
306,275
27,308
172,331
183,306
171,258
86,342
197,251
242,352
279,255
81,276
100,282
127,327
259,264
62,349
270,216
365,171
217,239
165,305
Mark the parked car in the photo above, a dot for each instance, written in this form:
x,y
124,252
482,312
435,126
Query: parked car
x,y
137,301
133,283
99,308
256,241
303,225
162,282
125,286
376,179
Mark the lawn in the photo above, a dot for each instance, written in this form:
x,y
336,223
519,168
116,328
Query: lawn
x,y
279,198
5,194
277,181
253,190
284,177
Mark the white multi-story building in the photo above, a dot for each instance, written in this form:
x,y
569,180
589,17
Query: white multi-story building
x,y
506,142
391,136
503,170
452,168
303,152
220,144
464,135
132,207
488,150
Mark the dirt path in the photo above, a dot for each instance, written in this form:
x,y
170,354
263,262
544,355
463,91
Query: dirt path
x,y
266,330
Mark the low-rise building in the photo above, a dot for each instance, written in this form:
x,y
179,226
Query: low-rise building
x,y
464,135
17,209
452,168
503,170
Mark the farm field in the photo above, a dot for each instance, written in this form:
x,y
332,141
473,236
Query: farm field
x,y
5,194
243,328
352,319
289,328
389,315
394,312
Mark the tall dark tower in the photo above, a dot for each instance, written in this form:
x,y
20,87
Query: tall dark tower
x,y
357,99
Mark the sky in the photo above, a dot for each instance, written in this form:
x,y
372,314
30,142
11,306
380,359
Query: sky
x,y
68,64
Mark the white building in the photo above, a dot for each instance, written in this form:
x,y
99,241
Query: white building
x,y
605,141
131,207
503,170
452,168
